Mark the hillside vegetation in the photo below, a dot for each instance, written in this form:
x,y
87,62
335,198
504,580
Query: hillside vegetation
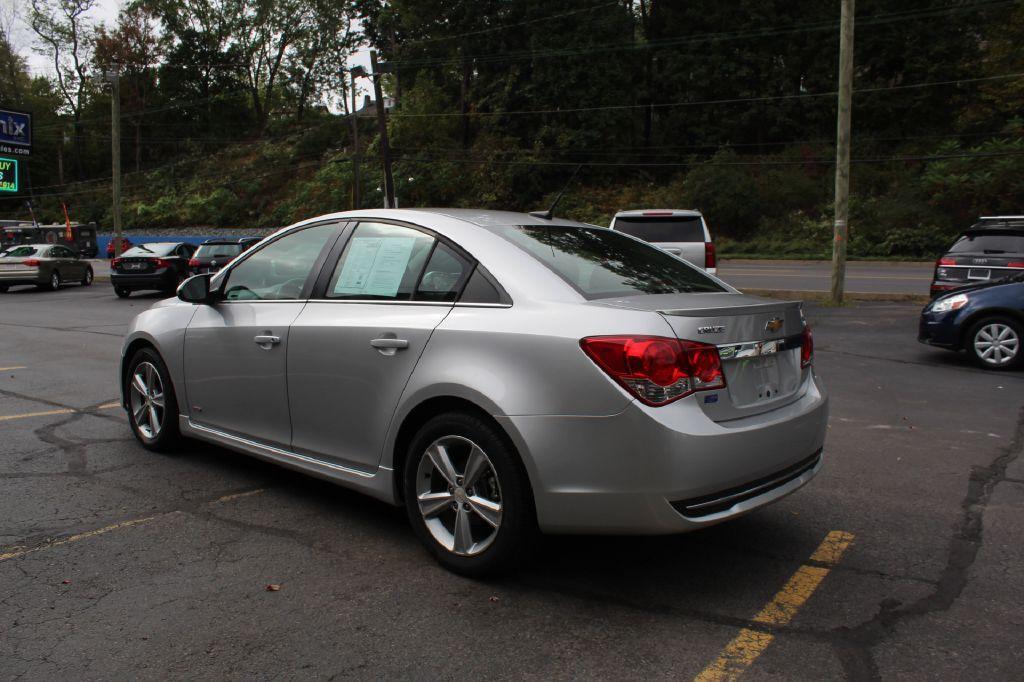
x,y
726,107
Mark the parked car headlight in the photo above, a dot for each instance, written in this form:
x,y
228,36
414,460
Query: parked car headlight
x,y
947,304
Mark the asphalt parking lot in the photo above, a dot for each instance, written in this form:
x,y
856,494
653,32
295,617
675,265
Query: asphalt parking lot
x,y
904,558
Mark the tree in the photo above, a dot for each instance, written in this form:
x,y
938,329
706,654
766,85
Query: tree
x,y
323,43
135,48
65,34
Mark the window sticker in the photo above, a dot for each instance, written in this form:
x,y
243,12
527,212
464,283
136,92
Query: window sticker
x,y
374,266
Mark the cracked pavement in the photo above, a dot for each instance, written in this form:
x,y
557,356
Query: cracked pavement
x,y
119,563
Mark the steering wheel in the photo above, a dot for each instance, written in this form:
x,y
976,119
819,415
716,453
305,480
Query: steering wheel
x,y
292,288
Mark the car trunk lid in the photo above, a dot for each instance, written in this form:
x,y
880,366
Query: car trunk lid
x,y
758,340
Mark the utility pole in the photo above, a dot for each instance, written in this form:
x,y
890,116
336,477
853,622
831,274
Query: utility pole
x,y
841,228
382,125
355,72
114,76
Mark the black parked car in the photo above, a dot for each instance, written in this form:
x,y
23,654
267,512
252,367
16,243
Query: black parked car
x,y
993,248
159,266
213,254
986,320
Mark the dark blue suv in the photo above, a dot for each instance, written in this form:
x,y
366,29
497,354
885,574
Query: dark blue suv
x,y
986,320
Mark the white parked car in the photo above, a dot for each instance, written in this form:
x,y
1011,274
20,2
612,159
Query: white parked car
x,y
683,233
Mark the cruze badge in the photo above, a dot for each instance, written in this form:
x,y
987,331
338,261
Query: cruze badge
x,y
773,325
711,329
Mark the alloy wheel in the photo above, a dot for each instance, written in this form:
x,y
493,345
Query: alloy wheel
x,y
459,495
55,281
996,344
147,400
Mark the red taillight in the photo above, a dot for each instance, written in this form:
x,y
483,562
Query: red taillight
x,y
709,255
945,261
658,213
1015,264
193,263
161,263
806,347
656,369
114,263
31,262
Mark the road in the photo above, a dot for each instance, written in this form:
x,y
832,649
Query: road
x,y
119,563
861,276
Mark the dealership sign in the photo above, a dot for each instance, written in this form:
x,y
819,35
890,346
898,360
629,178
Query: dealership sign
x,y
15,132
8,175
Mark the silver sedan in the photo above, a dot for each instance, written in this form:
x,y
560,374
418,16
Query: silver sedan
x,y
498,374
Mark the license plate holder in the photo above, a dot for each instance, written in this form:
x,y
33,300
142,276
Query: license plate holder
x,y
979,273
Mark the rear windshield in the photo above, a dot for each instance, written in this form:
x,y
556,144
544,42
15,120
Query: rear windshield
x,y
600,263
21,252
989,243
160,249
674,229
217,250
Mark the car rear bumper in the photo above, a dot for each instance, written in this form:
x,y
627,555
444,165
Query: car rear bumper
x,y
669,469
163,281
12,277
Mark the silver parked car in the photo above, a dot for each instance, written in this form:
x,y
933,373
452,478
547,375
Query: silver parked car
x,y
681,232
498,374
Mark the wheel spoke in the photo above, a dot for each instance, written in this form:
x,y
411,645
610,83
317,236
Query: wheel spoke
x,y
157,399
988,352
487,510
463,532
139,384
154,420
139,413
985,334
432,504
149,378
476,465
442,462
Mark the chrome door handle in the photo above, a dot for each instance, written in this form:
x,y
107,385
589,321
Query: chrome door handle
x,y
386,343
266,341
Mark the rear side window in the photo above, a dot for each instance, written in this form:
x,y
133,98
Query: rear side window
x,y
667,229
444,275
22,252
601,263
989,243
381,262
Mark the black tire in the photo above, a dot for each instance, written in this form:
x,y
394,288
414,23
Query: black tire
x,y
53,284
167,436
88,276
516,535
122,292
980,332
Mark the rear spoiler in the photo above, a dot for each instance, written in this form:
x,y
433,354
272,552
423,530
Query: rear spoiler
x,y
734,310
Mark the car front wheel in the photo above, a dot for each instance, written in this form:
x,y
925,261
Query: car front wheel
x,y
468,497
152,405
122,292
87,277
995,343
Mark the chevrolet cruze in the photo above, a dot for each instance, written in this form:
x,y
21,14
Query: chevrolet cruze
x,y
498,374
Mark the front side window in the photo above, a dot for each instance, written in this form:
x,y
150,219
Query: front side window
x,y
601,263
278,271
382,262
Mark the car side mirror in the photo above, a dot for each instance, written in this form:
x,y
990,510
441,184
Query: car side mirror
x,y
196,289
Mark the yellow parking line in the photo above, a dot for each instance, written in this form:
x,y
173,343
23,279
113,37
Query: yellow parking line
x,y
22,551
48,413
237,496
7,369
749,644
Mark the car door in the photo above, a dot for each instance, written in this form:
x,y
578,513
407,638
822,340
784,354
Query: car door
x,y
65,263
236,349
353,347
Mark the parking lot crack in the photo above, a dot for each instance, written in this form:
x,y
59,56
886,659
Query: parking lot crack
x,y
854,645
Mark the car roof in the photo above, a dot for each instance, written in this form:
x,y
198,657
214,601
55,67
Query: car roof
x,y
37,246
660,212
233,242
998,222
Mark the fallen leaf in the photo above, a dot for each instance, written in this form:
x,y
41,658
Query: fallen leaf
x,y
494,600
272,587
65,582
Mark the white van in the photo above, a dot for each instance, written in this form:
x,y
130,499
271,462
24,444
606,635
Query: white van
x,y
683,233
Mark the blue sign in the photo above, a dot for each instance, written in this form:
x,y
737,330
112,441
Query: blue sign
x,y
15,132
